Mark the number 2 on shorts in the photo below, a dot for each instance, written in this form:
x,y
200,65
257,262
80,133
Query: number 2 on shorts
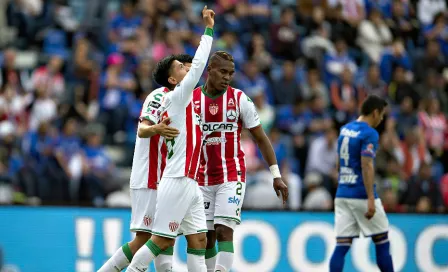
x,y
239,186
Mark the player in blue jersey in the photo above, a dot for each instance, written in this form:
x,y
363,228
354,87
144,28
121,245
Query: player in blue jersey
x,y
357,206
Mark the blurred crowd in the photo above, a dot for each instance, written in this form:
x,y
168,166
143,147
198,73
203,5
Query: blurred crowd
x,y
75,73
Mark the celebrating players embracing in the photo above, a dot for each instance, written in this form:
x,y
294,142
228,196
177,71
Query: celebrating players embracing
x,y
225,111
179,207
357,206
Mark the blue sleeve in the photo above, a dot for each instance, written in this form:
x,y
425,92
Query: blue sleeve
x,y
115,23
405,61
370,144
385,68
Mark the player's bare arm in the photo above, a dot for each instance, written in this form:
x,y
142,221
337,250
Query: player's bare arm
x,y
368,173
148,129
268,153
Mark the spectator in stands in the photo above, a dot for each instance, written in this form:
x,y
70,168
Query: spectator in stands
x,y
178,23
400,87
252,81
170,45
422,188
259,12
345,97
253,162
412,152
373,83
433,87
401,24
317,43
434,125
293,119
314,86
287,87
392,57
124,24
431,60
257,50
13,108
404,117
230,43
50,78
43,109
265,111
439,31
285,36
341,28
320,117
143,77
335,63
10,75
394,176
117,92
317,197
374,35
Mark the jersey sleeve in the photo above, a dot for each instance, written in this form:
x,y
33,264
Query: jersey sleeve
x,y
183,92
151,107
248,112
370,144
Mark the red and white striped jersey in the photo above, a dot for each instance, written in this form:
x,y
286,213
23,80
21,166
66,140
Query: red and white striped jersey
x,y
149,153
223,118
184,151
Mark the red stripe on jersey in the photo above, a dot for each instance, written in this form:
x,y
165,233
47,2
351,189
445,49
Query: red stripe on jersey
x,y
153,161
241,156
232,174
164,151
189,142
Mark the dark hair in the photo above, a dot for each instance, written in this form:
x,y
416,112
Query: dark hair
x,y
223,55
162,71
372,103
184,58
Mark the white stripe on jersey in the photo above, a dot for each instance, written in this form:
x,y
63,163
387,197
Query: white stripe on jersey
x,y
236,143
204,151
223,135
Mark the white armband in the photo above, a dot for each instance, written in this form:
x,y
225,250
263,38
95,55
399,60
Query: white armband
x,y
275,171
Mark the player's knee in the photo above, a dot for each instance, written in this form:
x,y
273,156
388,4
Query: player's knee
x,y
140,239
380,238
223,233
197,241
162,242
347,241
211,239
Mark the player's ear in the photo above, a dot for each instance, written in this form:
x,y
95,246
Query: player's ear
x,y
172,81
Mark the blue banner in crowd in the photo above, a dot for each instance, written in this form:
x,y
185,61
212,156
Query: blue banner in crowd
x,y
81,239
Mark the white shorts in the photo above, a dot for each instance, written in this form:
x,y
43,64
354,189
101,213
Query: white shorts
x,y
223,204
179,208
350,220
143,204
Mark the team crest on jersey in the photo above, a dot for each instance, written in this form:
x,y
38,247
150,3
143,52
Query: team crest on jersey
x,y
173,225
231,103
213,108
231,115
147,220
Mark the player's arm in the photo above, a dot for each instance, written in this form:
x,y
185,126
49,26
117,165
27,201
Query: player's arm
x,y
251,121
149,119
183,92
368,153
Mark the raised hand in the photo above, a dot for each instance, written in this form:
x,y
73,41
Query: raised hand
x,y
208,16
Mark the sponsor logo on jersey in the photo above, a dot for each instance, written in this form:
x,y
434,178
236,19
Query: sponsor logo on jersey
x,y
173,225
234,200
154,104
215,140
206,205
147,220
231,103
349,133
213,108
210,127
231,115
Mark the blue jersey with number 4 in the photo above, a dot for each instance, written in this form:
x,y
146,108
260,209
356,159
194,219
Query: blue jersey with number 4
x,y
356,139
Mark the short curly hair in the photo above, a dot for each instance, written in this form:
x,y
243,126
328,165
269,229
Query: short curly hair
x,y
162,71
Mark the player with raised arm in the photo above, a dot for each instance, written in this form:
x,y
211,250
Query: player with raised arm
x,y
357,206
180,207
225,111
147,167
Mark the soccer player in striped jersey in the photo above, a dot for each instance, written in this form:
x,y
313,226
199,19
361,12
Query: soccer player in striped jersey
x,y
225,111
180,207
147,167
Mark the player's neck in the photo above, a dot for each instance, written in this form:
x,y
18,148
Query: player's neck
x,y
366,119
210,90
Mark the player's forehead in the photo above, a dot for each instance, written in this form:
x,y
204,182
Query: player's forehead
x,y
225,65
176,64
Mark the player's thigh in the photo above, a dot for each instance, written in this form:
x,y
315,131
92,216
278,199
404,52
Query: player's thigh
x,y
143,205
194,221
209,194
229,201
174,197
377,224
345,222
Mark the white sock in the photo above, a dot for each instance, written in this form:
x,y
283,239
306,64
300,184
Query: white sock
x,y
119,261
210,259
224,259
196,260
145,255
163,263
